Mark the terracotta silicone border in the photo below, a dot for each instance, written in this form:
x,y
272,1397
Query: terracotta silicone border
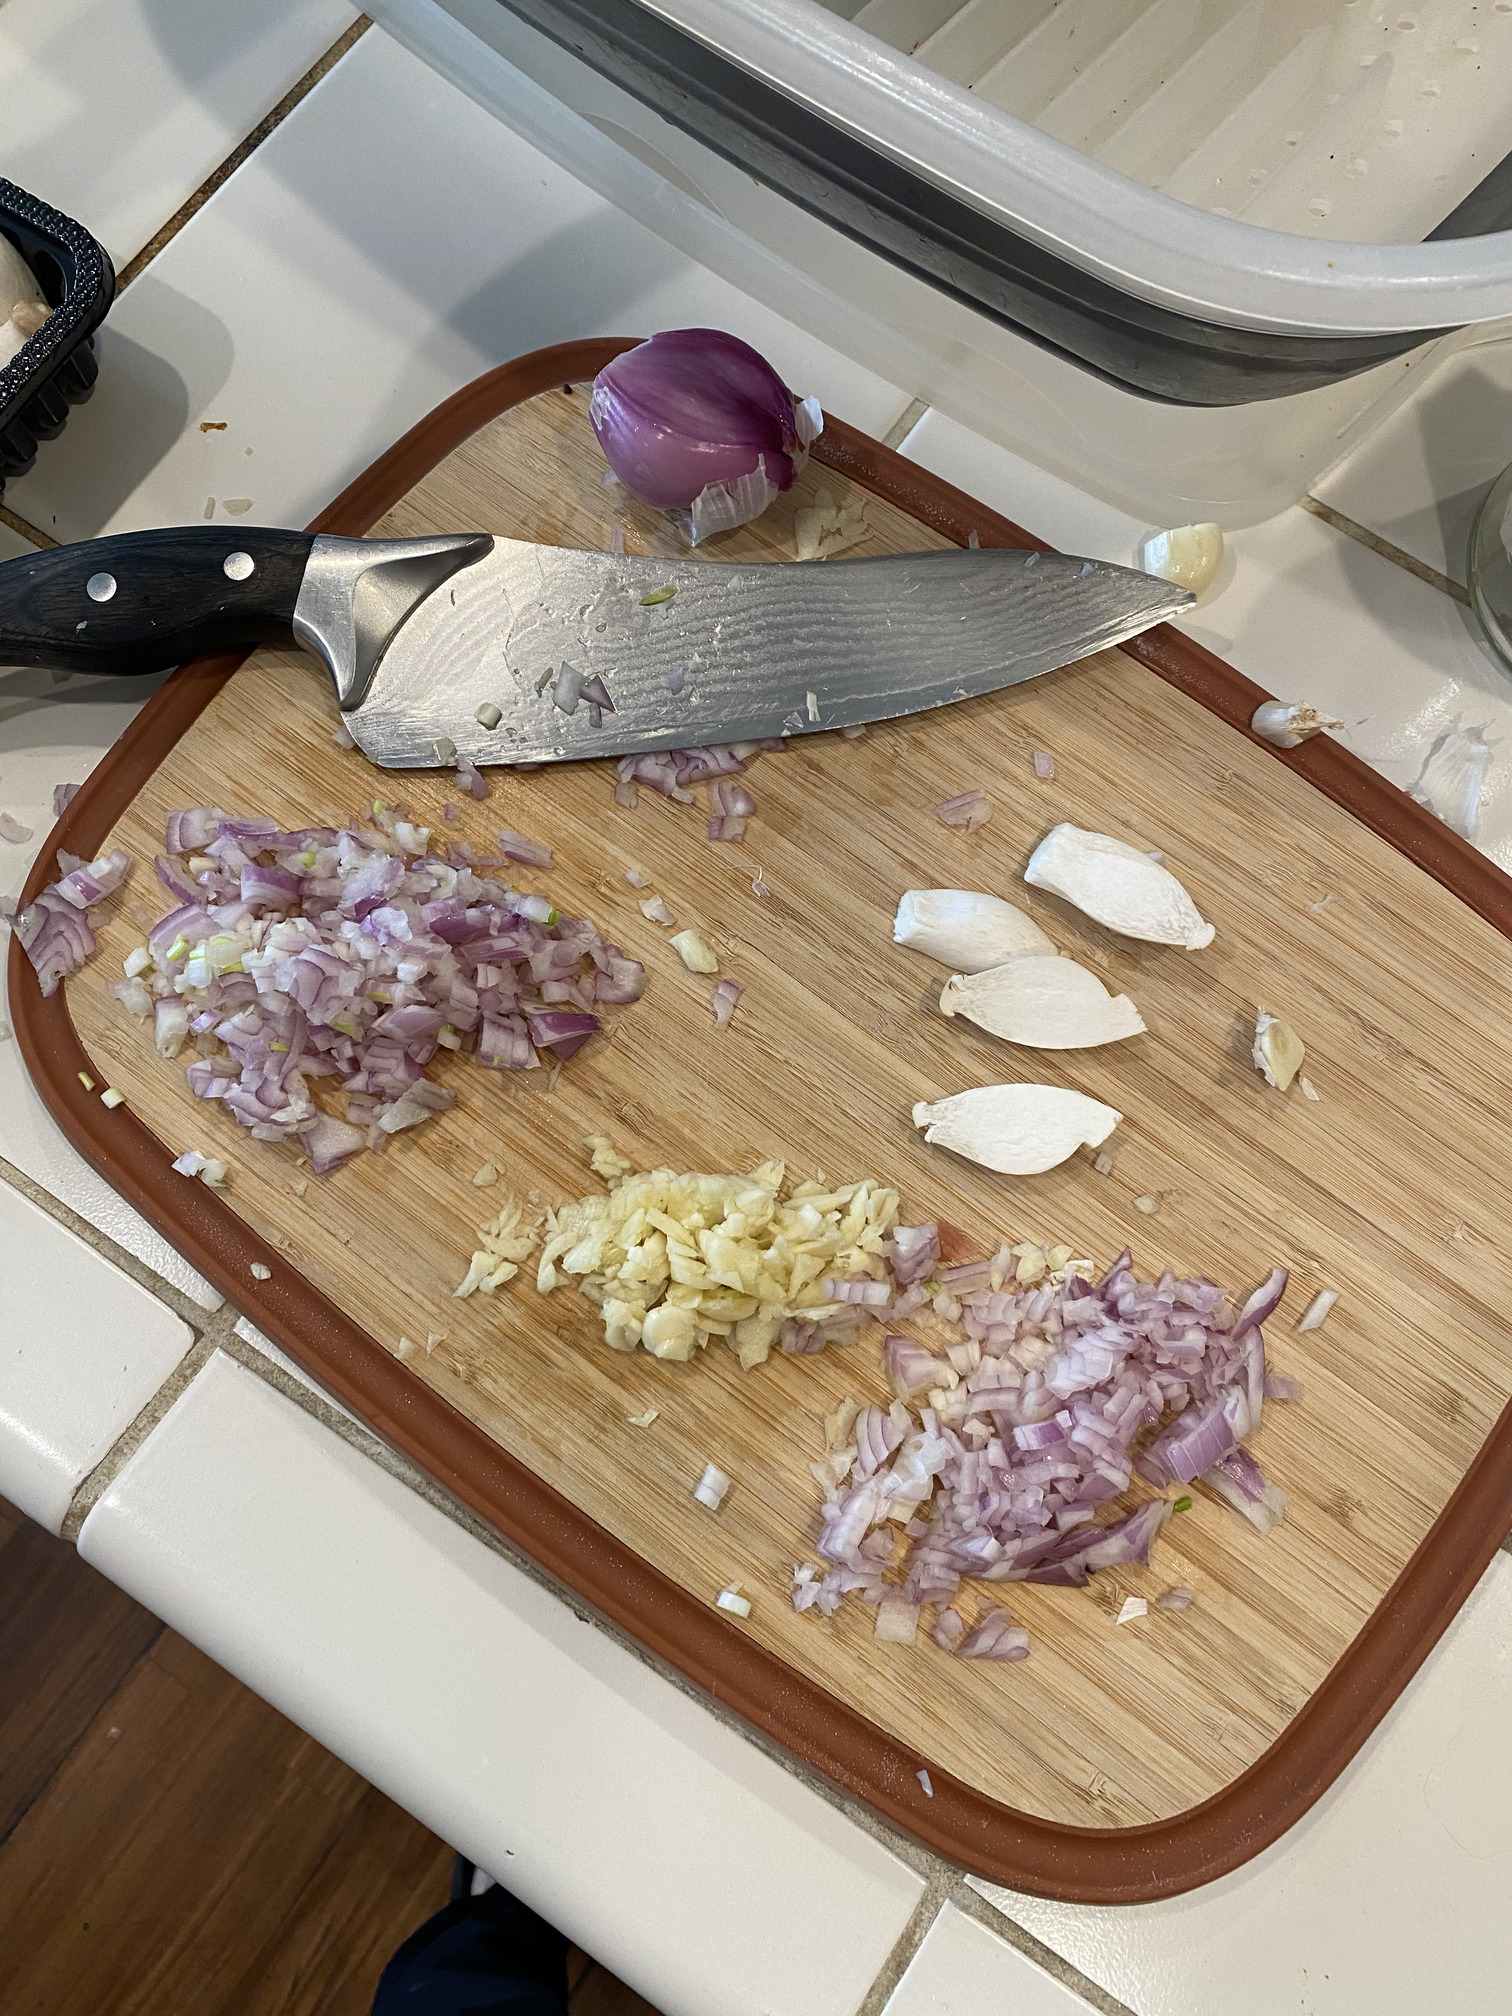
x,y
1082,1865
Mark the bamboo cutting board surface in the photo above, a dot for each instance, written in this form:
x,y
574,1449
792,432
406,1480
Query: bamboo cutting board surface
x,y
1392,1188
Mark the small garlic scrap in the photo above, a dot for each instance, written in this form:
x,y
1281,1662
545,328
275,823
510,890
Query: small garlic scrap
x,y
694,951
1187,555
1019,1130
1278,1051
1287,723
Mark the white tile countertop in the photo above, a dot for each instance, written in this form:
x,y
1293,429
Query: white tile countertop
x,y
384,243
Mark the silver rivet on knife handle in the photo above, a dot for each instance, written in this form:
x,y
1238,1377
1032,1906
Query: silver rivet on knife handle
x,y
357,592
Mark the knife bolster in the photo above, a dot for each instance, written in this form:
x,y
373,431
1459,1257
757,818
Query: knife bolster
x,y
356,593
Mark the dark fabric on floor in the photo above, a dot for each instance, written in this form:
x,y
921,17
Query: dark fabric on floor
x,y
480,1956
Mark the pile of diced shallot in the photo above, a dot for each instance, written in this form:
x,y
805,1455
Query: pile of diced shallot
x,y
1014,1433
353,954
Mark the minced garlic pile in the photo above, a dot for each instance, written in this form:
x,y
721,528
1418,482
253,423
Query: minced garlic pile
x,y
675,1260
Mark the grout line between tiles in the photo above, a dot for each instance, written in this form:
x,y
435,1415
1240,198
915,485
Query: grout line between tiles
x,y
905,423
21,525
195,1314
131,1438
1409,562
241,153
973,1904
908,1942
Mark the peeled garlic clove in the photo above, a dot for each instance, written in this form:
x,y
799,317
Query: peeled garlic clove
x,y
1046,1003
694,951
1019,1130
1188,555
1278,1051
966,929
1117,885
1289,722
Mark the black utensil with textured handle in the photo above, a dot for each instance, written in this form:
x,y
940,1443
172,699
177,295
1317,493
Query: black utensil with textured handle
x,y
142,601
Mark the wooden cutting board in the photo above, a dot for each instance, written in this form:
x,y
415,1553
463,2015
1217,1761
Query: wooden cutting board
x,y
1183,1742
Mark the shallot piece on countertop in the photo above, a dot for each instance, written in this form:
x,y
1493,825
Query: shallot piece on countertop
x,y
995,1637
712,1488
970,809
1019,1130
1278,1050
1289,723
670,773
54,928
516,847
1044,1003
14,830
897,1620
1117,885
966,929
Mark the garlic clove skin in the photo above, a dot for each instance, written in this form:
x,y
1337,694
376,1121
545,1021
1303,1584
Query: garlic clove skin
x,y
1452,778
1278,1052
1018,1130
1187,555
1117,885
966,929
1044,1003
1288,723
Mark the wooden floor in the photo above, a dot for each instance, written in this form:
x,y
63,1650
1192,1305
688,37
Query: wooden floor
x,y
168,1842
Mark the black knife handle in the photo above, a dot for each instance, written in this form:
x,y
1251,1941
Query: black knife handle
x,y
142,601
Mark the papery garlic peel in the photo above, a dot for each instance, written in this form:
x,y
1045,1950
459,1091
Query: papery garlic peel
x,y
1117,885
966,929
1045,1003
1018,1130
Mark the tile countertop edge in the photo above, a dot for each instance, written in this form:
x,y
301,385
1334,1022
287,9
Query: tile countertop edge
x,y
84,1350
437,1669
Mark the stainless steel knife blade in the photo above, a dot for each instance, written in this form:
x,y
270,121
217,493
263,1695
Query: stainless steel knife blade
x,y
693,652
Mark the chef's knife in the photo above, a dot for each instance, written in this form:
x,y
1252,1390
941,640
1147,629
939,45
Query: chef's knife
x,y
503,652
